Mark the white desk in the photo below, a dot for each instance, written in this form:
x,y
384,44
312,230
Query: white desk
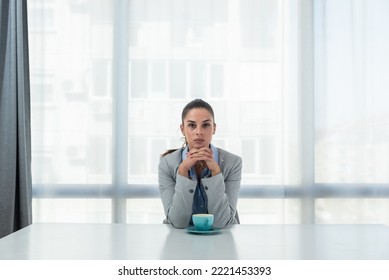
x,y
152,242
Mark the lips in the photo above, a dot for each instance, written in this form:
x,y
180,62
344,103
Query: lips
x,y
199,140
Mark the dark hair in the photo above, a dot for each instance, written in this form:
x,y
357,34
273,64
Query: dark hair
x,y
194,104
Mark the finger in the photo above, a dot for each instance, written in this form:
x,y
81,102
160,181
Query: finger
x,y
206,149
192,152
202,156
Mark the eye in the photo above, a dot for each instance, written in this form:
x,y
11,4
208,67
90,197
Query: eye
x,y
206,125
191,125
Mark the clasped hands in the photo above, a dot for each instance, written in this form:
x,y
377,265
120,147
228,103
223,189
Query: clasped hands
x,y
200,158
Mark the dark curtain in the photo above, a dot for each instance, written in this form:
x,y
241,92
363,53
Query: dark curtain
x,y
15,134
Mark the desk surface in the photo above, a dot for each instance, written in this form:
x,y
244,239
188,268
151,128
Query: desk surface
x,y
153,242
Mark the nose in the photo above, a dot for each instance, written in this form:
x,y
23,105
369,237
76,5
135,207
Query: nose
x,y
199,131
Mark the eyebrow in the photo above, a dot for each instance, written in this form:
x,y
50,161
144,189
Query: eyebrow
x,y
190,121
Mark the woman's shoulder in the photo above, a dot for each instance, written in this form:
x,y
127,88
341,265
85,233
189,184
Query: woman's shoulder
x,y
230,164
172,155
225,155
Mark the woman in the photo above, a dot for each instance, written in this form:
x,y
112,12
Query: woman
x,y
199,178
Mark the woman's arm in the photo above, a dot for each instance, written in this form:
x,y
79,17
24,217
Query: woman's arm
x,y
177,193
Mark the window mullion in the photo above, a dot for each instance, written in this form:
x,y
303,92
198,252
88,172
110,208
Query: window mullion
x,y
120,71
307,117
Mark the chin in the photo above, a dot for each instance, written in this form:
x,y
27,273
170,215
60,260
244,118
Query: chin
x,y
198,146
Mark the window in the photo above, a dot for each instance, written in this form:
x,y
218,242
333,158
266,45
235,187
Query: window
x,y
301,102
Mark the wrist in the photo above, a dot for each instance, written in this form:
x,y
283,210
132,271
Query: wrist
x,y
215,172
183,171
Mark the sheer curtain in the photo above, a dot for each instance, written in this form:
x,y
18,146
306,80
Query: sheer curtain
x,y
351,123
110,78
71,99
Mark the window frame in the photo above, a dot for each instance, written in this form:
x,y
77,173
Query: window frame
x,y
119,191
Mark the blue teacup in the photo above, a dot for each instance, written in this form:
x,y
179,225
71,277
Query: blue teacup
x,y
202,222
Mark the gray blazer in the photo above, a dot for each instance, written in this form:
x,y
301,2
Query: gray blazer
x,y
222,190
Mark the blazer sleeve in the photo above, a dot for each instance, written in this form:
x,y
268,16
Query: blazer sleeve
x,y
177,193
222,192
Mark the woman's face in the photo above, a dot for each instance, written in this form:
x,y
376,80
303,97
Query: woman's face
x,y
198,128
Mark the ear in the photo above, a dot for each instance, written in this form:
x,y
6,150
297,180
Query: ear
x,y
214,128
182,129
